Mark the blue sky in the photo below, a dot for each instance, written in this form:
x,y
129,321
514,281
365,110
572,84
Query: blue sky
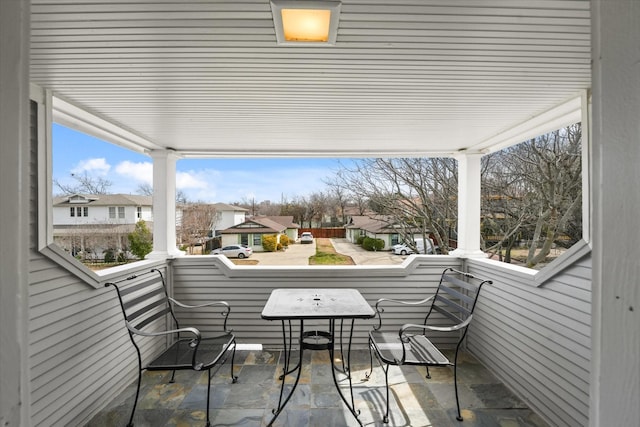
x,y
208,180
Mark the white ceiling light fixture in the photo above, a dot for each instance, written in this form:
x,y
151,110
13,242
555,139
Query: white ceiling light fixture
x,y
306,22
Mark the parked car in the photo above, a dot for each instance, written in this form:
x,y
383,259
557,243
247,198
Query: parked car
x,y
306,237
234,251
403,249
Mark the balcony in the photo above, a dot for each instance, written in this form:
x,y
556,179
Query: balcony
x,y
416,401
422,78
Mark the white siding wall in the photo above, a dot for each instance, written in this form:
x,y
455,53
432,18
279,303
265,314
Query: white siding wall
x,y
537,339
79,355
229,219
99,215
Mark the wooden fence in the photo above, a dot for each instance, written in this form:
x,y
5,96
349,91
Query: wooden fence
x,y
335,232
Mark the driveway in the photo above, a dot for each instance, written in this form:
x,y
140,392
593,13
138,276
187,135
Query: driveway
x,y
298,254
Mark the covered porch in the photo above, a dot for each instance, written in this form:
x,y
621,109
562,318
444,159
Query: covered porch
x,y
179,79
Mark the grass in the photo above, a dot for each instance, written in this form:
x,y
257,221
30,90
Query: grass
x,y
327,255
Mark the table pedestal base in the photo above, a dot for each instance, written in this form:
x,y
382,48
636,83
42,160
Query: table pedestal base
x,y
316,340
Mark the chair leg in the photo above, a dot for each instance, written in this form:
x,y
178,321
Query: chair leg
x,y
455,385
428,376
234,379
367,375
208,394
386,383
135,401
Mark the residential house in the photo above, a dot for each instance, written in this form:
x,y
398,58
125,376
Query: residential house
x,y
252,231
89,225
376,227
228,216
422,78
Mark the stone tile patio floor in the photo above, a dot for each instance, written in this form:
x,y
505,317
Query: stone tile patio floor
x,y
416,401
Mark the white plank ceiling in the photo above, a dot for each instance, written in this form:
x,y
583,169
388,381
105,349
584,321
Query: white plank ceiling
x,y
206,77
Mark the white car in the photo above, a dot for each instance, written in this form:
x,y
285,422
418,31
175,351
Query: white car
x,y
234,251
306,237
401,249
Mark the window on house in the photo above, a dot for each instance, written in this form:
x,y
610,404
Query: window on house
x,y
139,212
244,239
121,212
257,239
395,239
73,211
112,212
85,211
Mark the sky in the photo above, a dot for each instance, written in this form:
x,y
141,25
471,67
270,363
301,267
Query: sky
x,y
207,180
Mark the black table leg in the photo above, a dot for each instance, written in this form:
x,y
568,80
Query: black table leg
x,y
345,369
288,348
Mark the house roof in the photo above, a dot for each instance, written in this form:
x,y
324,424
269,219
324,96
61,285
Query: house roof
x,y
258,225
103,200
286,220
379,224
410,78
227,207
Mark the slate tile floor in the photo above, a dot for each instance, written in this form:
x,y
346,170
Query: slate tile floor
x,y
416,401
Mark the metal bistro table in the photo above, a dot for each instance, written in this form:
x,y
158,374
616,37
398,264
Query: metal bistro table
x,y
288,305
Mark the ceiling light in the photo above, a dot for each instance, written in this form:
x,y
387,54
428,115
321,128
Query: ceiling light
x,y
305,22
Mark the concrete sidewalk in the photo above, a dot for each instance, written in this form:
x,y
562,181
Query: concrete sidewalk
x,y
363,257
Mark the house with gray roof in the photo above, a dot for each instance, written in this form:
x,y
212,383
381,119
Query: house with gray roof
x,y
90,224
378,227
252,231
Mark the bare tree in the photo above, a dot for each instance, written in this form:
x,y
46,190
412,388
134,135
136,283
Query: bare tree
x,y
532,191
196,224
418,195
145,189
84,184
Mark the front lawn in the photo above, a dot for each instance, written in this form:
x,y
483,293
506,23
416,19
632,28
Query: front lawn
x,y
327,255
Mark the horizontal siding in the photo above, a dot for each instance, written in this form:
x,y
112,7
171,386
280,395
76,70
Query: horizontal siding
x,y
537,340
80,355
196,280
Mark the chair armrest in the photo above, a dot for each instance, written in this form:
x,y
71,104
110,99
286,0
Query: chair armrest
x,y
208,304
136,331
457,327
225,312
380,309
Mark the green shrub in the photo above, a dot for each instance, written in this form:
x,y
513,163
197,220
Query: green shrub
x,y
372,244
109,256
284,240
360,240
269,243
141,240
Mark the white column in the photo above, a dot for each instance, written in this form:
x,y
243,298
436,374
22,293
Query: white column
x,y
164,204
469,206
615,334
15,212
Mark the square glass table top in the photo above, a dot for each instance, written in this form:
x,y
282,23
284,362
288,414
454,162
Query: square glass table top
x,y
341,303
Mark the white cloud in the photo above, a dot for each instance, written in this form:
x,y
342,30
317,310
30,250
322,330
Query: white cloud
x,y
141,172
191,180
97,165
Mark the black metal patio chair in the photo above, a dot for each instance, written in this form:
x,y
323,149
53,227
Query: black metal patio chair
x,y
149,314
450,310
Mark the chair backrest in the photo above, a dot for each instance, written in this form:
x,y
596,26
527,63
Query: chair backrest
x,y
456,295
145,301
